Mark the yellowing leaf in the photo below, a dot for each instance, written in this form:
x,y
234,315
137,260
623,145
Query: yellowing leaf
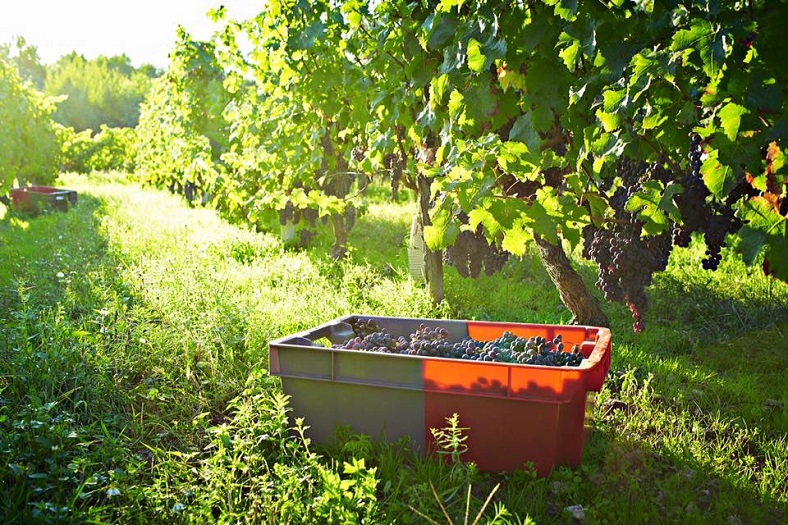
x,y
509,78
515,240
456,104
476,58
730,118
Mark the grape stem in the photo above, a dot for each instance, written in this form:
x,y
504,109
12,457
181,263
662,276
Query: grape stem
x,y
659,149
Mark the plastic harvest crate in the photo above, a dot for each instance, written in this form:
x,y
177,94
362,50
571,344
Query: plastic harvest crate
x,y
514,413
35,198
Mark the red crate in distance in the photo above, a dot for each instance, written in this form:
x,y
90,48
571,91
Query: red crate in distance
x,y
34,199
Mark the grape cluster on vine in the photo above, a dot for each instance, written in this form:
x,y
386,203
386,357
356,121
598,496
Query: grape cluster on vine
x,y
294,215
393,163
436,342
627,260
471,253
289,214
715,220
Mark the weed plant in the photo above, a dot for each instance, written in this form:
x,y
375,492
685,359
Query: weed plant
x,y
134,336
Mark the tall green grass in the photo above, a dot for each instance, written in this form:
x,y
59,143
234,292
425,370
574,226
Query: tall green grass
x,y
133,383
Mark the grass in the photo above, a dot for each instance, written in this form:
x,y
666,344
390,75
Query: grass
x,y
133,384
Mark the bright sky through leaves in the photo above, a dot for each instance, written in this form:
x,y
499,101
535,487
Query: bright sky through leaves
x,y
142,29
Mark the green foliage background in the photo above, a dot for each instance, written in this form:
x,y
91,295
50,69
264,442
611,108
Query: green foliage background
x,y
102,91
29,148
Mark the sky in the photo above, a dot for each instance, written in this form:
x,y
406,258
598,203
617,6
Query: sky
x,y
142,29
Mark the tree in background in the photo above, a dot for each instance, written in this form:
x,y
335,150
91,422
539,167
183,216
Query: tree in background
x,y
25,58
102,91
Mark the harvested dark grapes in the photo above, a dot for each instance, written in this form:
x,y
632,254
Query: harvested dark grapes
x,y
435,342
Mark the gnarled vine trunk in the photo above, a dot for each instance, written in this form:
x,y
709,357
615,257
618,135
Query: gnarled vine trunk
x,y
574,293
433,261
338,184
339,248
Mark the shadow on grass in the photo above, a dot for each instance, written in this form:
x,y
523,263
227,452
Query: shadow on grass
x,y
42,253
628,479
716,308
705,442
62,419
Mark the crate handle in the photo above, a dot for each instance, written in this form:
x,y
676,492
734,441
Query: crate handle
x,y
337,333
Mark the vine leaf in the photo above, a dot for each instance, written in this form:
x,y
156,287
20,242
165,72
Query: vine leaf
x,y
709,42
566,9
542,223
691,38
442,30
716,174
598,207
498,216
730,118
654,206
447,5
525,132
516,158
510,78
571,52
764,226
476,59
516,239
442,232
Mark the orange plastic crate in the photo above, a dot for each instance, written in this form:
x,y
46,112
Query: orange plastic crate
x,y
515,414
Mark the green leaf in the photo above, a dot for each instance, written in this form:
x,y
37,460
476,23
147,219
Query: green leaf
x,y
354,19
442,232
510,78
713,54
598,207
565,9
438,87
570,53
443,31
691,38
517,159
655,207
306,38
476,59
505,212
705,38
456,104
730,118
718,177
484,101
516,239
764,226
543,118
483,216
542,223
610,121
524,131
613,100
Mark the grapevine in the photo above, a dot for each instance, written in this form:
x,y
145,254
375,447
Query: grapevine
x,y
655,122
